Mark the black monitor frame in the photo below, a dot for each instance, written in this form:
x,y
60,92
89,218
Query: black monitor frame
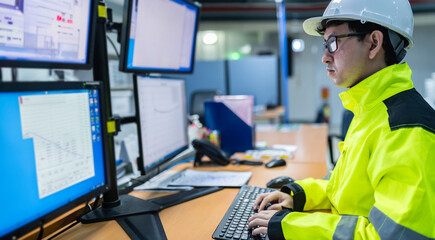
x,y
63,65
125,37
157,168
48,86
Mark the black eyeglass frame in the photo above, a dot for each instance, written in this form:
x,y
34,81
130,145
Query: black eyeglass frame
x,y
333,39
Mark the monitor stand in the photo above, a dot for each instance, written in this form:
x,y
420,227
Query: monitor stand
x,y
132,205
143,227
129,205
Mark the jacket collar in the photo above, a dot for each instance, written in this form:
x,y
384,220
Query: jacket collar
x,y
376,88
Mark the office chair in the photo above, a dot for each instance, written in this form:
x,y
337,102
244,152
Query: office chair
x,y
345,123
197,100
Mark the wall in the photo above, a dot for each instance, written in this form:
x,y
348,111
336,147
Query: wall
x,y
421,58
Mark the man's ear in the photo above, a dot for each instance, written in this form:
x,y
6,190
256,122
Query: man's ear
x,y
376,39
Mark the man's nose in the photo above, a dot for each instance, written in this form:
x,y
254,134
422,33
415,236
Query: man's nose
x,y
327,56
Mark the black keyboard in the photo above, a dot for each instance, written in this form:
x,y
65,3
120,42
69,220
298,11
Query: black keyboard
x,y
234,225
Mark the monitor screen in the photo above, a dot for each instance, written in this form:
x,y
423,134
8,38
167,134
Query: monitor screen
x,y
161,108
159,36
52,151
51,34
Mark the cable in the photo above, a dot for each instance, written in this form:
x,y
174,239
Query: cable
x,y
63,230
87,205
41,230
95,205
114,47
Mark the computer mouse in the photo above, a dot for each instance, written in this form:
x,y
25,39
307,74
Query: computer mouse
x,y
276,163
279,182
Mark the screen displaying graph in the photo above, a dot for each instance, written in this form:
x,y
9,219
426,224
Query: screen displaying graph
x,y
163,118
51,149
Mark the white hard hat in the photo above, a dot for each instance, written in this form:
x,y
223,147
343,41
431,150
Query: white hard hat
x,y
395,15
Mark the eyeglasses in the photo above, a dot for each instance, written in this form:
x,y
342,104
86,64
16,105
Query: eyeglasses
x,y
331,42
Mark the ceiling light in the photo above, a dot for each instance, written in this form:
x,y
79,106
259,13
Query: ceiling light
x,y
209,38
298,45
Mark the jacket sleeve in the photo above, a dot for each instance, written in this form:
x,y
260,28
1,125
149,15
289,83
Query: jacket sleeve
x,y
308,194
286,224
311,193
401,174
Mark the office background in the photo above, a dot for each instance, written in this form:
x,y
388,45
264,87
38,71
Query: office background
x,y
245,30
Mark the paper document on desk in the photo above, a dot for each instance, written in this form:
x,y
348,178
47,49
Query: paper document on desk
x,y
161,182
277,151
208,179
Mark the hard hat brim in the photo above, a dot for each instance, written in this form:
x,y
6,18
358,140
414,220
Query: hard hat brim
x,y
312,24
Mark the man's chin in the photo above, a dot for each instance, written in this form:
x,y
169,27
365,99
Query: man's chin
x,y
339,84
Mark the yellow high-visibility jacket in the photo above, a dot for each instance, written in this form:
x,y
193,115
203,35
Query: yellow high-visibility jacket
x,y
383,186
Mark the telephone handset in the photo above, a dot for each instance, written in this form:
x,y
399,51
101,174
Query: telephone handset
x,y
204,147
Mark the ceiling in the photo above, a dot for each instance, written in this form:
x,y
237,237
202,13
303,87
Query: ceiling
x,y
224,10
266,9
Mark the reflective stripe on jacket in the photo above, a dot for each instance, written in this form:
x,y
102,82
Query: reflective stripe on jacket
x,y
383,186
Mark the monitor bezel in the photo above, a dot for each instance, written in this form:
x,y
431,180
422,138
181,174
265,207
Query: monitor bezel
x,y
125,37
140,162
49,86
63,65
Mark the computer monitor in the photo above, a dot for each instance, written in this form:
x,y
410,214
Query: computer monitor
x,y
53,151
159,36
162,120
257,76
47,34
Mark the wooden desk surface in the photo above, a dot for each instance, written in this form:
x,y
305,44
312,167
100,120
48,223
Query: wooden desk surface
x,y
198,218
274,113
310,139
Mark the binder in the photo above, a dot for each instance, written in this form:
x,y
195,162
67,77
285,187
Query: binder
x,y
232,116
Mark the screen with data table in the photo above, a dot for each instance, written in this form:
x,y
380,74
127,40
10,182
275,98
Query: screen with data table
x,y
46,33
161,105
52,149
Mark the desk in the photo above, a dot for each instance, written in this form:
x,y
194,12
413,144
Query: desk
x,y
198,218
272,115
310,139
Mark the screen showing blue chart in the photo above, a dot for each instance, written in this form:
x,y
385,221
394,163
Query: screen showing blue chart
x,y
161,36
51,151
162,117
45,30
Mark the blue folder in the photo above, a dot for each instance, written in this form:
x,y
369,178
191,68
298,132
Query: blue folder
x,y
235,134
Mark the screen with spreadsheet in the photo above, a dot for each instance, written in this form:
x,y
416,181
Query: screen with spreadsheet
x,y
46,33
51,150
161,107
159,36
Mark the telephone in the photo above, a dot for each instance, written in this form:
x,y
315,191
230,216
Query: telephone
x,y
204,147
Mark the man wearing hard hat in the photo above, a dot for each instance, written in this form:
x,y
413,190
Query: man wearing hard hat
x,y
383,186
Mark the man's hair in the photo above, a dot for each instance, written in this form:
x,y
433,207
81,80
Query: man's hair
x,y
357,26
